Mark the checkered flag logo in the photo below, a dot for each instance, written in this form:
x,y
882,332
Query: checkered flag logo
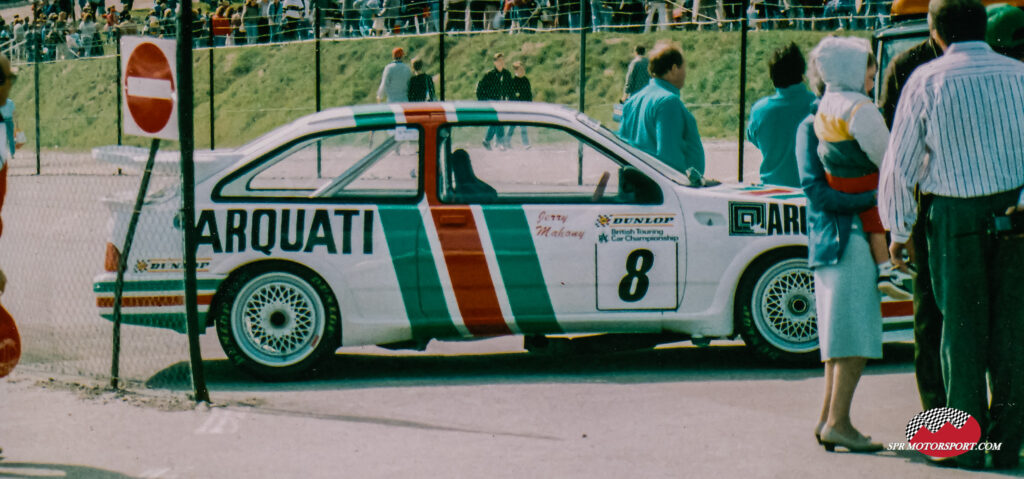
x,y
934,419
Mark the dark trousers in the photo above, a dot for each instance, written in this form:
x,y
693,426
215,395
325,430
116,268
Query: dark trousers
x,y
927,319
495,131
977,280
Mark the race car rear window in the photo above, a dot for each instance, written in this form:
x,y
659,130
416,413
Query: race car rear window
x,y
343,165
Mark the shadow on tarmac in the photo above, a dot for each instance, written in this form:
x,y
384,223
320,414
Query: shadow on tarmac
x,y
68,471
673,364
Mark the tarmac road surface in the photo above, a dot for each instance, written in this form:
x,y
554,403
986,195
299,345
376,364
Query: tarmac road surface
x,y
672,412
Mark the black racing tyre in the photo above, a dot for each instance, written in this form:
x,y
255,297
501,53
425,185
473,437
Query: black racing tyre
x,y
277,320
775,310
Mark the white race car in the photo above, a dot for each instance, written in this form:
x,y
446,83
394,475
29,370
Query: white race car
x,y
397,224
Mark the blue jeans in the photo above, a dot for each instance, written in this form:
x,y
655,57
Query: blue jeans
x,y
251,33
521,16
435,18
574,20
598,16
522,134
495,131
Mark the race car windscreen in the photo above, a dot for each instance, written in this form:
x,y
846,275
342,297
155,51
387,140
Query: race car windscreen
x,y
669,172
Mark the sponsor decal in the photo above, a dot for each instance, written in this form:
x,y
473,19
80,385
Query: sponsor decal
x,y
552,225
265,230
766,219
621,220
635,234
169,265
635,227
943,432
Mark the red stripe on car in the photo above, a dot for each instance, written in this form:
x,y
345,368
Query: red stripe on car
x,y
151,301
897,308
467,267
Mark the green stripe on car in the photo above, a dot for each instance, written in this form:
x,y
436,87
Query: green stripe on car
x,y
418,278
172,285
520,270
372,115
172,321
476,113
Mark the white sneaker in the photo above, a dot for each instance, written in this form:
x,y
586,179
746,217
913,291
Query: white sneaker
x,y
894,287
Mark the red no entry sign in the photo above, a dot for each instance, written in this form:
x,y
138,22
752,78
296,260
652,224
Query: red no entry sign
x,y
150,87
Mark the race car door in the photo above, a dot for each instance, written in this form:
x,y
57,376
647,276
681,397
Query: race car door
x,y
571,237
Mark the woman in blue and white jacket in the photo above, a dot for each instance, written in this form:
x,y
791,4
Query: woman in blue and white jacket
x,y
846,296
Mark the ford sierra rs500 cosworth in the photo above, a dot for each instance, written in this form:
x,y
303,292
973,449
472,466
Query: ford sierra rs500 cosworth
x,y
396,224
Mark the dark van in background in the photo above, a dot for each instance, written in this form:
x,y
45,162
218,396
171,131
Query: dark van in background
x,y
909,27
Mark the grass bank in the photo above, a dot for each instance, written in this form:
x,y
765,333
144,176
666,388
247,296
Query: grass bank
x,y
258,88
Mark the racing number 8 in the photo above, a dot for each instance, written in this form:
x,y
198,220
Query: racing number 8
x,y
634,284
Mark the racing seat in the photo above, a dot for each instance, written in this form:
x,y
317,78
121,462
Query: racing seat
x,y
468,188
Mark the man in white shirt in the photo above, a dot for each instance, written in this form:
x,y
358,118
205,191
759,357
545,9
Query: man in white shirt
x,y
957,137
294,11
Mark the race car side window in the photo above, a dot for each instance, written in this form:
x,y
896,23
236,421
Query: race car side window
x,y
348,164
533,163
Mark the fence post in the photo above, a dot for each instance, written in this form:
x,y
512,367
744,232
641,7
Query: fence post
x,y
186,138
35,66
583,55
441,27
316,50
117,81
316,55
583,81
212,144
743,87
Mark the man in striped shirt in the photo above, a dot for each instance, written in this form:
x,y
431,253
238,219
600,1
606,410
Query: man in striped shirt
x,y
957,137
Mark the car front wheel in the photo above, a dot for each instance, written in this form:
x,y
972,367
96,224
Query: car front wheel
x,y
277,324
775,309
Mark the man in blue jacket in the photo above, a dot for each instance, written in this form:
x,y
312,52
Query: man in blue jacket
x,y
774,119
655,119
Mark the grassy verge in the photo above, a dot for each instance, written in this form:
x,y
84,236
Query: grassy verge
x,y
258,88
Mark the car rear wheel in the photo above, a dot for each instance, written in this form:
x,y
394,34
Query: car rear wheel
x,y
277,323
775,309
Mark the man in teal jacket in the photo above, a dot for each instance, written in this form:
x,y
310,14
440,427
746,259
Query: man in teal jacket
x,y
655,119
774,119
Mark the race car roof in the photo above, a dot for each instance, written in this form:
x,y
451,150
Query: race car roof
x,y
919,8
390,114
455,111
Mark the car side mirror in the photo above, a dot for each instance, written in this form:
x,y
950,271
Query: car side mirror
x,y
636,187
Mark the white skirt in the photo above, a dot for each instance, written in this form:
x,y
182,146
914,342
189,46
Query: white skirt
x,y
848,302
